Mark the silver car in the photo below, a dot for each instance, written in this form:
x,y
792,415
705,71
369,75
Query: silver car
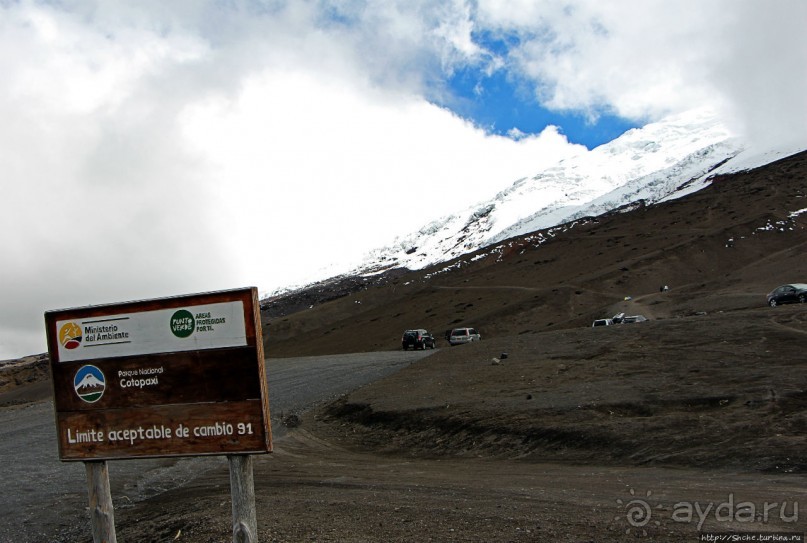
x,y
602,322
463,335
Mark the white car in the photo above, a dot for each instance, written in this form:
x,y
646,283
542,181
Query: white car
x,y
463,335
602,322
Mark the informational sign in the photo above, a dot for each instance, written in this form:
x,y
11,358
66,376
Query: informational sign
x,y
180,376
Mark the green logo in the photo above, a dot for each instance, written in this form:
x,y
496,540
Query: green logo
x,y
182,323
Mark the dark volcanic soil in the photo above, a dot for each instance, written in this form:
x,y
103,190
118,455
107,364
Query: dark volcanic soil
x,y
703,405
718,391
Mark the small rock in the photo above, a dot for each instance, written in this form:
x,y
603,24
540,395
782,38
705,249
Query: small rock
x,y
291,421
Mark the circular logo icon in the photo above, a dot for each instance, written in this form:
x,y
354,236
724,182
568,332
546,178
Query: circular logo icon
x,y
638,512
89,383
70,335
182,323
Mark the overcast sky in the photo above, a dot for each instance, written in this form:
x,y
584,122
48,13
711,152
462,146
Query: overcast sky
x,y
155,148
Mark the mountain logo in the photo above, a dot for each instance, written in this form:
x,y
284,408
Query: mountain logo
x,y
89,383
70,335
182,323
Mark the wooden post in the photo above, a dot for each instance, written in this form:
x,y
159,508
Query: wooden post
x,y
242,488
102,515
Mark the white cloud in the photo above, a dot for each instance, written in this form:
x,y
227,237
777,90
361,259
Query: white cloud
x,y
762,75
644,59
155,148
328,167
142,163
95,179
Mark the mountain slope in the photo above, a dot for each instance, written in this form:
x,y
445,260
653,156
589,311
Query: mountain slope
x,y
719,249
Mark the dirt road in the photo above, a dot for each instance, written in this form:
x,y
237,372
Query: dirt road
x,y
312,489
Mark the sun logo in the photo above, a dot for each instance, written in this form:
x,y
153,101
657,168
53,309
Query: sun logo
x,y
70,335
638,512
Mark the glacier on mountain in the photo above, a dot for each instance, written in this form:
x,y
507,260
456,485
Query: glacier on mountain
x,y
660,161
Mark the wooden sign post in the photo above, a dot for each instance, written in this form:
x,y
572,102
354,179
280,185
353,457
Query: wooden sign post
x,y
180,376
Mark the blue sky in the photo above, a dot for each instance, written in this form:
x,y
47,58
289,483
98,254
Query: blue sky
x,y
499,99
156,148
504,106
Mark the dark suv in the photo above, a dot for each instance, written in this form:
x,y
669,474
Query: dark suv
x,y
417,339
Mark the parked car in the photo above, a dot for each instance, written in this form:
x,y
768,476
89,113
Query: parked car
x,y
788,294
620,318
602,322
463,335
417,339
633,318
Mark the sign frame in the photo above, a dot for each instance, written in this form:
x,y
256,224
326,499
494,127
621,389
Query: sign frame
x,y
166,377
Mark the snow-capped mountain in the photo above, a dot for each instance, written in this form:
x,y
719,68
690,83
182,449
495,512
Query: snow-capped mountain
x,y
663,160
90,382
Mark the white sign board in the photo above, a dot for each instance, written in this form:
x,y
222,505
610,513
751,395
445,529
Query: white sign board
x,y
189,328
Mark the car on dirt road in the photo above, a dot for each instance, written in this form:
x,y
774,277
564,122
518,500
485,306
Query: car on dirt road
x,y
602,322
417,339
630,319
463,335
794,293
